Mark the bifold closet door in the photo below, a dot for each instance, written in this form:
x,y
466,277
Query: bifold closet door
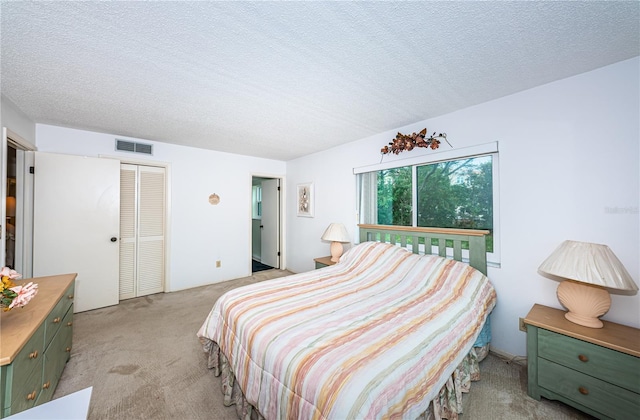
x,y
142,225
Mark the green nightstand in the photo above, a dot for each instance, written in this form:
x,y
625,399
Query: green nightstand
x,y
596,370
323,262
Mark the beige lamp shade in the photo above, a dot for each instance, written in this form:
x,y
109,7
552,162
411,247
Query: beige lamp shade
x,y
589,269
337,234
588,263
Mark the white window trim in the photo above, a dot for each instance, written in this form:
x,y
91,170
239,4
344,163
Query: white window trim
x,y
480,149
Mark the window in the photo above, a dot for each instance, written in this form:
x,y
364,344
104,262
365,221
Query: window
x,y
454,193
395,203
256,207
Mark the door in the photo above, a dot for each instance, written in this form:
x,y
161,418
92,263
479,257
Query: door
x,y
16,191
3,196
142,225
76,224
270,238
12,213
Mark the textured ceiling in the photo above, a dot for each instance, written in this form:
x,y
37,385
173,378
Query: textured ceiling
x,y
285,79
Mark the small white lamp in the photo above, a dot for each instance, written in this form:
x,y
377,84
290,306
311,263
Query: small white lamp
x,y
337,234
589,269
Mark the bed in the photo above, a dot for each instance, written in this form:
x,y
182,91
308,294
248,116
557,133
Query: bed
x,y
390,331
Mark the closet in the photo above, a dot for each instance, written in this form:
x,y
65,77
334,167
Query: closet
x,y
142,230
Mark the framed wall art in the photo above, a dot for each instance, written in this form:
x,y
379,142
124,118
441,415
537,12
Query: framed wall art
x,y
304,200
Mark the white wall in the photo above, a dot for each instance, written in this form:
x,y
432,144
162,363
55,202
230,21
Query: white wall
x,y
15,120
199,233
569,169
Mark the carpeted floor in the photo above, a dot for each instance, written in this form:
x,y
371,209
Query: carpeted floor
x,y
144,361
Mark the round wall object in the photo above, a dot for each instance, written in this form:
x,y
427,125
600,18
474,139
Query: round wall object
x,y
214,199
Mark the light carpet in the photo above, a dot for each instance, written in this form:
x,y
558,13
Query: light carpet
x,y
144,361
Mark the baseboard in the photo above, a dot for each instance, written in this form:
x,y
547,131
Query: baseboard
x,y
508,357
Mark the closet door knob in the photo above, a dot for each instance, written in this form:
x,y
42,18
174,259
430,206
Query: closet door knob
x,y
113,239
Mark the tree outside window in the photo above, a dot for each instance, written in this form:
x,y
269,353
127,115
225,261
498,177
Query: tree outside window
x,y
451,194
394,197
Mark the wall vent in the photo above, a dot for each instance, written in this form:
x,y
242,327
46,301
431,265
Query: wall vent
x,y
130,146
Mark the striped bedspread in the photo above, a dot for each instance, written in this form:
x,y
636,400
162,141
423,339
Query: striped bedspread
x,y
374,336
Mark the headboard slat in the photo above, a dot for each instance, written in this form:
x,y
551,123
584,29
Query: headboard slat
x,y
457,250
415,244
442,247
406,236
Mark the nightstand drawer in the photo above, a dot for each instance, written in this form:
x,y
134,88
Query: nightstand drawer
x,y
588,391
606,364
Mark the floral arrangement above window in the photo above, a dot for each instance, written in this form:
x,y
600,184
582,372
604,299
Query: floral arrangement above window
x,y
407,142
12,296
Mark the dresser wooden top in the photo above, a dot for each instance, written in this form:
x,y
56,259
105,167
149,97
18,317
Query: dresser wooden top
x,y
18,325
613,336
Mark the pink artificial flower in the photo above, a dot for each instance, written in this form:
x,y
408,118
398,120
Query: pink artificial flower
x,y
12,274
25,293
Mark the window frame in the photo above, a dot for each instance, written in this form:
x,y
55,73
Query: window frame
x,y
488,149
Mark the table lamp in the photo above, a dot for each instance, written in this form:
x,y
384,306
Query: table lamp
x,y
337,234
589,269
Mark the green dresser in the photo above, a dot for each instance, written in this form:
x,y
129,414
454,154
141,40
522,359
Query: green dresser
x,y
36,344
596,370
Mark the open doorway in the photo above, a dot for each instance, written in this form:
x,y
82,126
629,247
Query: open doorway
x,y
10,210
265,223
16,192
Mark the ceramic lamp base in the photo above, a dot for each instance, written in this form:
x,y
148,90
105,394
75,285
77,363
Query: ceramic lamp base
x,y
585,303
336,251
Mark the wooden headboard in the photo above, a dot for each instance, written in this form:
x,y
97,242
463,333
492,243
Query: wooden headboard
x,y
452,239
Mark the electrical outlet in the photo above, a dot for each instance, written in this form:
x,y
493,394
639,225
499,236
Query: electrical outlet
x,y
521,325
218,264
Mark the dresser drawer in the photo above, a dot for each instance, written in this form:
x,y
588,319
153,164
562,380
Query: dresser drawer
x,y
26,389
54,319
588,391
29,358
609,365
56,356
23,376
